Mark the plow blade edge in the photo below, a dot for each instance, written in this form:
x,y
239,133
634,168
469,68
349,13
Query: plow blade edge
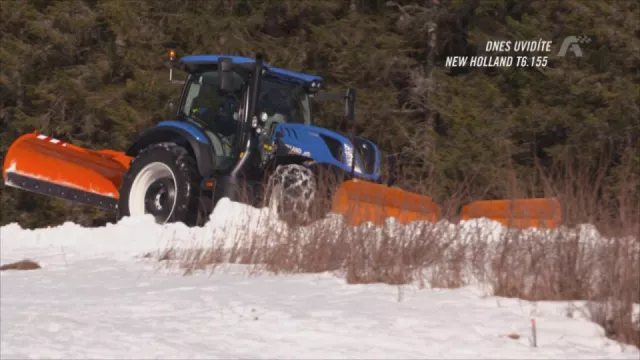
x,y
362,201
516,213
49,166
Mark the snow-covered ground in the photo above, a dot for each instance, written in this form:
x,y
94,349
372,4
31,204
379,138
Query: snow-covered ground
x,y
97,297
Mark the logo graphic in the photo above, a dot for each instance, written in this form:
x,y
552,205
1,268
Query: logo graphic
x,y
571,43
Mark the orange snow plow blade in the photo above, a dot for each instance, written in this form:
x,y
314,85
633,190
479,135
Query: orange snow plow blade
x,y
362,201
48,166
516,213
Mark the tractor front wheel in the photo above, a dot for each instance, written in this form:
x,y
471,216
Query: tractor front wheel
x,y
162,181
293,192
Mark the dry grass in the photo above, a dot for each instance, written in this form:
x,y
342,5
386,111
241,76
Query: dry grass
x,y
571,263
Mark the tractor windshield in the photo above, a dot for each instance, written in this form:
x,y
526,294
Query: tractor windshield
x,y
284,102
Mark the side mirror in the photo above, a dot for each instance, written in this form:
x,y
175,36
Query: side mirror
x,y
226,74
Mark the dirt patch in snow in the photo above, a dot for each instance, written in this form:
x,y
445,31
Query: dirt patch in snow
x,y
21,265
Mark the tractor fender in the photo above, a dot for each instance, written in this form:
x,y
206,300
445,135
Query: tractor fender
x,y
185,134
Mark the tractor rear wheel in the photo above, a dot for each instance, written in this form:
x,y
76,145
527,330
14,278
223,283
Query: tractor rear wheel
x,y
162,181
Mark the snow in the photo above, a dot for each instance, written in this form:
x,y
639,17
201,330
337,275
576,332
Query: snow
x,y
97,297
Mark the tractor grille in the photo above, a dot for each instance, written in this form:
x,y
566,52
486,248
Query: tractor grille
x,y
367,155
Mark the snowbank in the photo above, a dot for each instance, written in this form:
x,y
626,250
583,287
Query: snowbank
x,y
96,297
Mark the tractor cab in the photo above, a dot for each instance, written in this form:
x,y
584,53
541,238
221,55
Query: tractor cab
x,y
219,101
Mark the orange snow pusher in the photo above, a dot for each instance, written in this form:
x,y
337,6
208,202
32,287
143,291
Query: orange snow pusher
x,y
363,201
360,207
49,166
516,213
239,125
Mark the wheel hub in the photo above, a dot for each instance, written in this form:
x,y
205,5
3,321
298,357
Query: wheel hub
x,y
159,198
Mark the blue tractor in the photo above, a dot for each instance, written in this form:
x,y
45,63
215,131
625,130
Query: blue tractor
x,y
244,130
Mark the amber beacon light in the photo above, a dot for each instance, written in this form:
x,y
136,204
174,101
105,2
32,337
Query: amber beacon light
x,y
171,54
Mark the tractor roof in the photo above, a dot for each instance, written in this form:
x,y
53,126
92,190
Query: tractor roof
x,y
288,75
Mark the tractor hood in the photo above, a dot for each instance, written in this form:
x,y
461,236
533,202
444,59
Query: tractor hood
x,y
326,146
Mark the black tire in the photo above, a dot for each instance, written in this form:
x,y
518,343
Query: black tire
x,y
173,196
299,198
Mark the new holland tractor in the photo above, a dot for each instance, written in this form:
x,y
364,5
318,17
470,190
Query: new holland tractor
x,y
243,130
